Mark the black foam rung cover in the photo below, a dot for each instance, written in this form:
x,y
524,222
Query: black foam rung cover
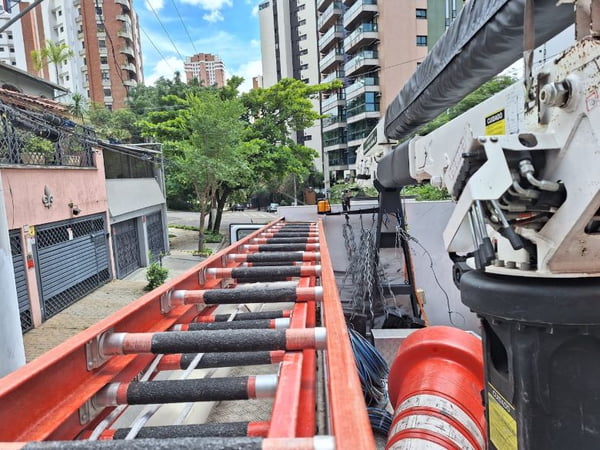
x,y
250,316
211,360
210,443
231,429
194,390
238,325
217,341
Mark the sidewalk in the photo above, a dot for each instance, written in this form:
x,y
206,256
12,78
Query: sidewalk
x,y
111,297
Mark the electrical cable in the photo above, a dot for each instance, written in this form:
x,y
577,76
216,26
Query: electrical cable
x,y
372,370
110,41
184,26
408,237
381,420
153,44
149,4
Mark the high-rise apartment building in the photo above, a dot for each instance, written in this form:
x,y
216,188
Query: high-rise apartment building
x,y
373,46
288,36
440,14
104,38
206,68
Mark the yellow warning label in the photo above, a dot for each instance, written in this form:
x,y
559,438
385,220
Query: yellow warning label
x,y
495,123
502,425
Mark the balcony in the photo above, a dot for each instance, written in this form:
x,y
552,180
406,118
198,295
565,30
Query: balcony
x,y
128,50
362,10
125,33
124,18
130,83
335,138
333,100
335,75
334,34
129,67
323,4
330,16
362,62
362,85
363,36
331,60
125,3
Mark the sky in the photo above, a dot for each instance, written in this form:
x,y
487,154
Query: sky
x,y
171,30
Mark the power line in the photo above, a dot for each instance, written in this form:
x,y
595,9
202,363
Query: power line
x,y
152,43
149,4
184,26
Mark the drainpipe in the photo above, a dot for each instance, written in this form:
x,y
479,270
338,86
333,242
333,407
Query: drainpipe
x,y
12,351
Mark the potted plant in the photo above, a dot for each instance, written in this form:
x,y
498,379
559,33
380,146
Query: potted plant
x,y
37,151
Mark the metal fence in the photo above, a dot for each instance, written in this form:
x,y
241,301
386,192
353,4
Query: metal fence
x,y
43,139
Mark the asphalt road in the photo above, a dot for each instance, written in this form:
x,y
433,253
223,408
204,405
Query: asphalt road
x,y
248,216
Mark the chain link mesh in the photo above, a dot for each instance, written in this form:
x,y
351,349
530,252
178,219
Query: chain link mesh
x,y
16,249
57,234
156,239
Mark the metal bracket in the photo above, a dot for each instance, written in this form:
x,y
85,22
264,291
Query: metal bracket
x,y
165,302
88,412
93,354
202,276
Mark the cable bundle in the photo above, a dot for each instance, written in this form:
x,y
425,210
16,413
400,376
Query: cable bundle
x,y
381,420
372,370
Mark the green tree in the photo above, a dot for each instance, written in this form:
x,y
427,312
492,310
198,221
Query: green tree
x,y
119,125
484,92
210,155
52,53
78,107
274,115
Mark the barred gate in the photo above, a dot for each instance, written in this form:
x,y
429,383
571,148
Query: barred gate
x,y
156,236
126,247
16,249
72,261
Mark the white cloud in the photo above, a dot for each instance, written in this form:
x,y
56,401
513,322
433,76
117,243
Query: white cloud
x,y
165,68
255,11
209,5
255,43
154,4
214,16
247,71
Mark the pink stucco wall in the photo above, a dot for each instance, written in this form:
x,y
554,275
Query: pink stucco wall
x,y
24,187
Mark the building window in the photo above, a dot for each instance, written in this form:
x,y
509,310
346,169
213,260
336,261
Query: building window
x,y
302,37
304,67
422,41
107,93
98,10
302,22
104,60
105,75
263,5
305,80
100,28
421,13
11,49
102,42
60,12
301,7
62,29
303,52
14,63
2,49
308,137
10,35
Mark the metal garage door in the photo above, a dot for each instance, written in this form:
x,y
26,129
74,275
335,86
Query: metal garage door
x,y
156,236
16,249
126,246
72,261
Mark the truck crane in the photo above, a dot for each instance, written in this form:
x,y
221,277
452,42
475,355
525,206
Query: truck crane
x,y
524,237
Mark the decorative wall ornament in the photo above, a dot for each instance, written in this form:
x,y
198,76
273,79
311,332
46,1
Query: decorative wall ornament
x,y
47,198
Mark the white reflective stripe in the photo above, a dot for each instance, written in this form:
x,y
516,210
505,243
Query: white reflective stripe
x,y
435,425
415,444
445,407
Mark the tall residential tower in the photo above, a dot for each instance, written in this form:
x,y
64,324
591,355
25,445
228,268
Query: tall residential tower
x,y
288,36
104,38
206,68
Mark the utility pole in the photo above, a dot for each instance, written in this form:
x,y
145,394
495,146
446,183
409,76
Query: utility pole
x,y
12,351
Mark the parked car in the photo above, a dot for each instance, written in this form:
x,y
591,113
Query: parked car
x,y
272,208
238,207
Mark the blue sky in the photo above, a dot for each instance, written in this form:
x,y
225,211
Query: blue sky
x,y
228,28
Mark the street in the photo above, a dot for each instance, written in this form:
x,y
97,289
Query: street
x,y
248,216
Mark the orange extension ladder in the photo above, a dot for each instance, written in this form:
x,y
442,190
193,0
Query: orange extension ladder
x,y
76,392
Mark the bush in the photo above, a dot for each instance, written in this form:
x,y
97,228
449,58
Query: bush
x,y
156,275
425,192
